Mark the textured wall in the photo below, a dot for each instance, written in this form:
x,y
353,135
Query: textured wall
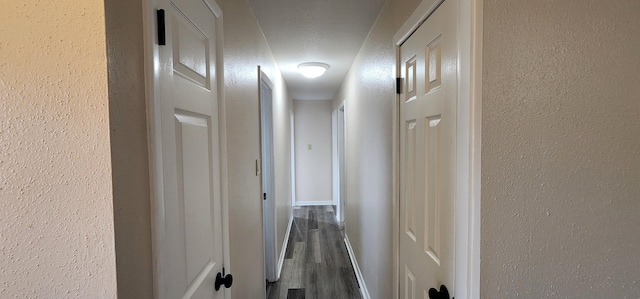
x,y
369,93
313,167
56,212
244,49
560,149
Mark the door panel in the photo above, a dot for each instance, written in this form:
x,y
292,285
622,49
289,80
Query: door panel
x,y
410,284
433,211
193,140
427,154
410,179
191,248
190,50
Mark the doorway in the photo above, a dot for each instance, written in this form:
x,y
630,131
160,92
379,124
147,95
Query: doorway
x,y
293,159
190,243
427,154
437,149
268,175
338,134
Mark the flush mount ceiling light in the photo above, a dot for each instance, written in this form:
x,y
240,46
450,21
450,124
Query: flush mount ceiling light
x,y
312,69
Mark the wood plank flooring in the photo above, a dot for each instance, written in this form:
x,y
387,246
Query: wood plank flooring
x,y
316,264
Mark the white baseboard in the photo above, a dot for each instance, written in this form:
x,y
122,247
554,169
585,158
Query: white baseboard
x,y
314,203
356,269
284,246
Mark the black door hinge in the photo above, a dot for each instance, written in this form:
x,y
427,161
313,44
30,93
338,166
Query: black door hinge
x,y
398,85
162,38
264,196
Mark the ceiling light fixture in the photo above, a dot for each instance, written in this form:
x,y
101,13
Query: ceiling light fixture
x,y
312,69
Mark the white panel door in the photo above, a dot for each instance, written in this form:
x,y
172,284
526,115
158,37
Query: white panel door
x,y
427,155
190,241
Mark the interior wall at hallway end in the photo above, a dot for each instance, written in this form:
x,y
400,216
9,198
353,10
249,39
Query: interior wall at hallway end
x,y
369,94
313,151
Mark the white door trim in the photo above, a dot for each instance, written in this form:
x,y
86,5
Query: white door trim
x,y
335,176
467,201
153,90
339,178
293,159
342,153
342,160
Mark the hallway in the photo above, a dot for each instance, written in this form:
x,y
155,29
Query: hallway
x,y
316,263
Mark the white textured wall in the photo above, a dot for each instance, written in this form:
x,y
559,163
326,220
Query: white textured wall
x,y
244,49
560,149
282,108
369,93
313,167
56,210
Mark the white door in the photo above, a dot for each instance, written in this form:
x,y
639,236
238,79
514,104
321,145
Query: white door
x,y
427,155
268,175
189,242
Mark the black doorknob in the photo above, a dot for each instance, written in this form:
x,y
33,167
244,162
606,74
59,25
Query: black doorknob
x,y
442,294
226,280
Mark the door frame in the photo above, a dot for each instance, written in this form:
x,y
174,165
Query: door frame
x,y
335,176
153,91
468,131
339,162
268,206
293,159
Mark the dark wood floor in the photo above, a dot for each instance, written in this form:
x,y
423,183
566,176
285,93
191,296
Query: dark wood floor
x,y
316,264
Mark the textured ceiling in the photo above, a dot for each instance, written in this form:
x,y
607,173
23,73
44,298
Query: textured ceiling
x,y
328,31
